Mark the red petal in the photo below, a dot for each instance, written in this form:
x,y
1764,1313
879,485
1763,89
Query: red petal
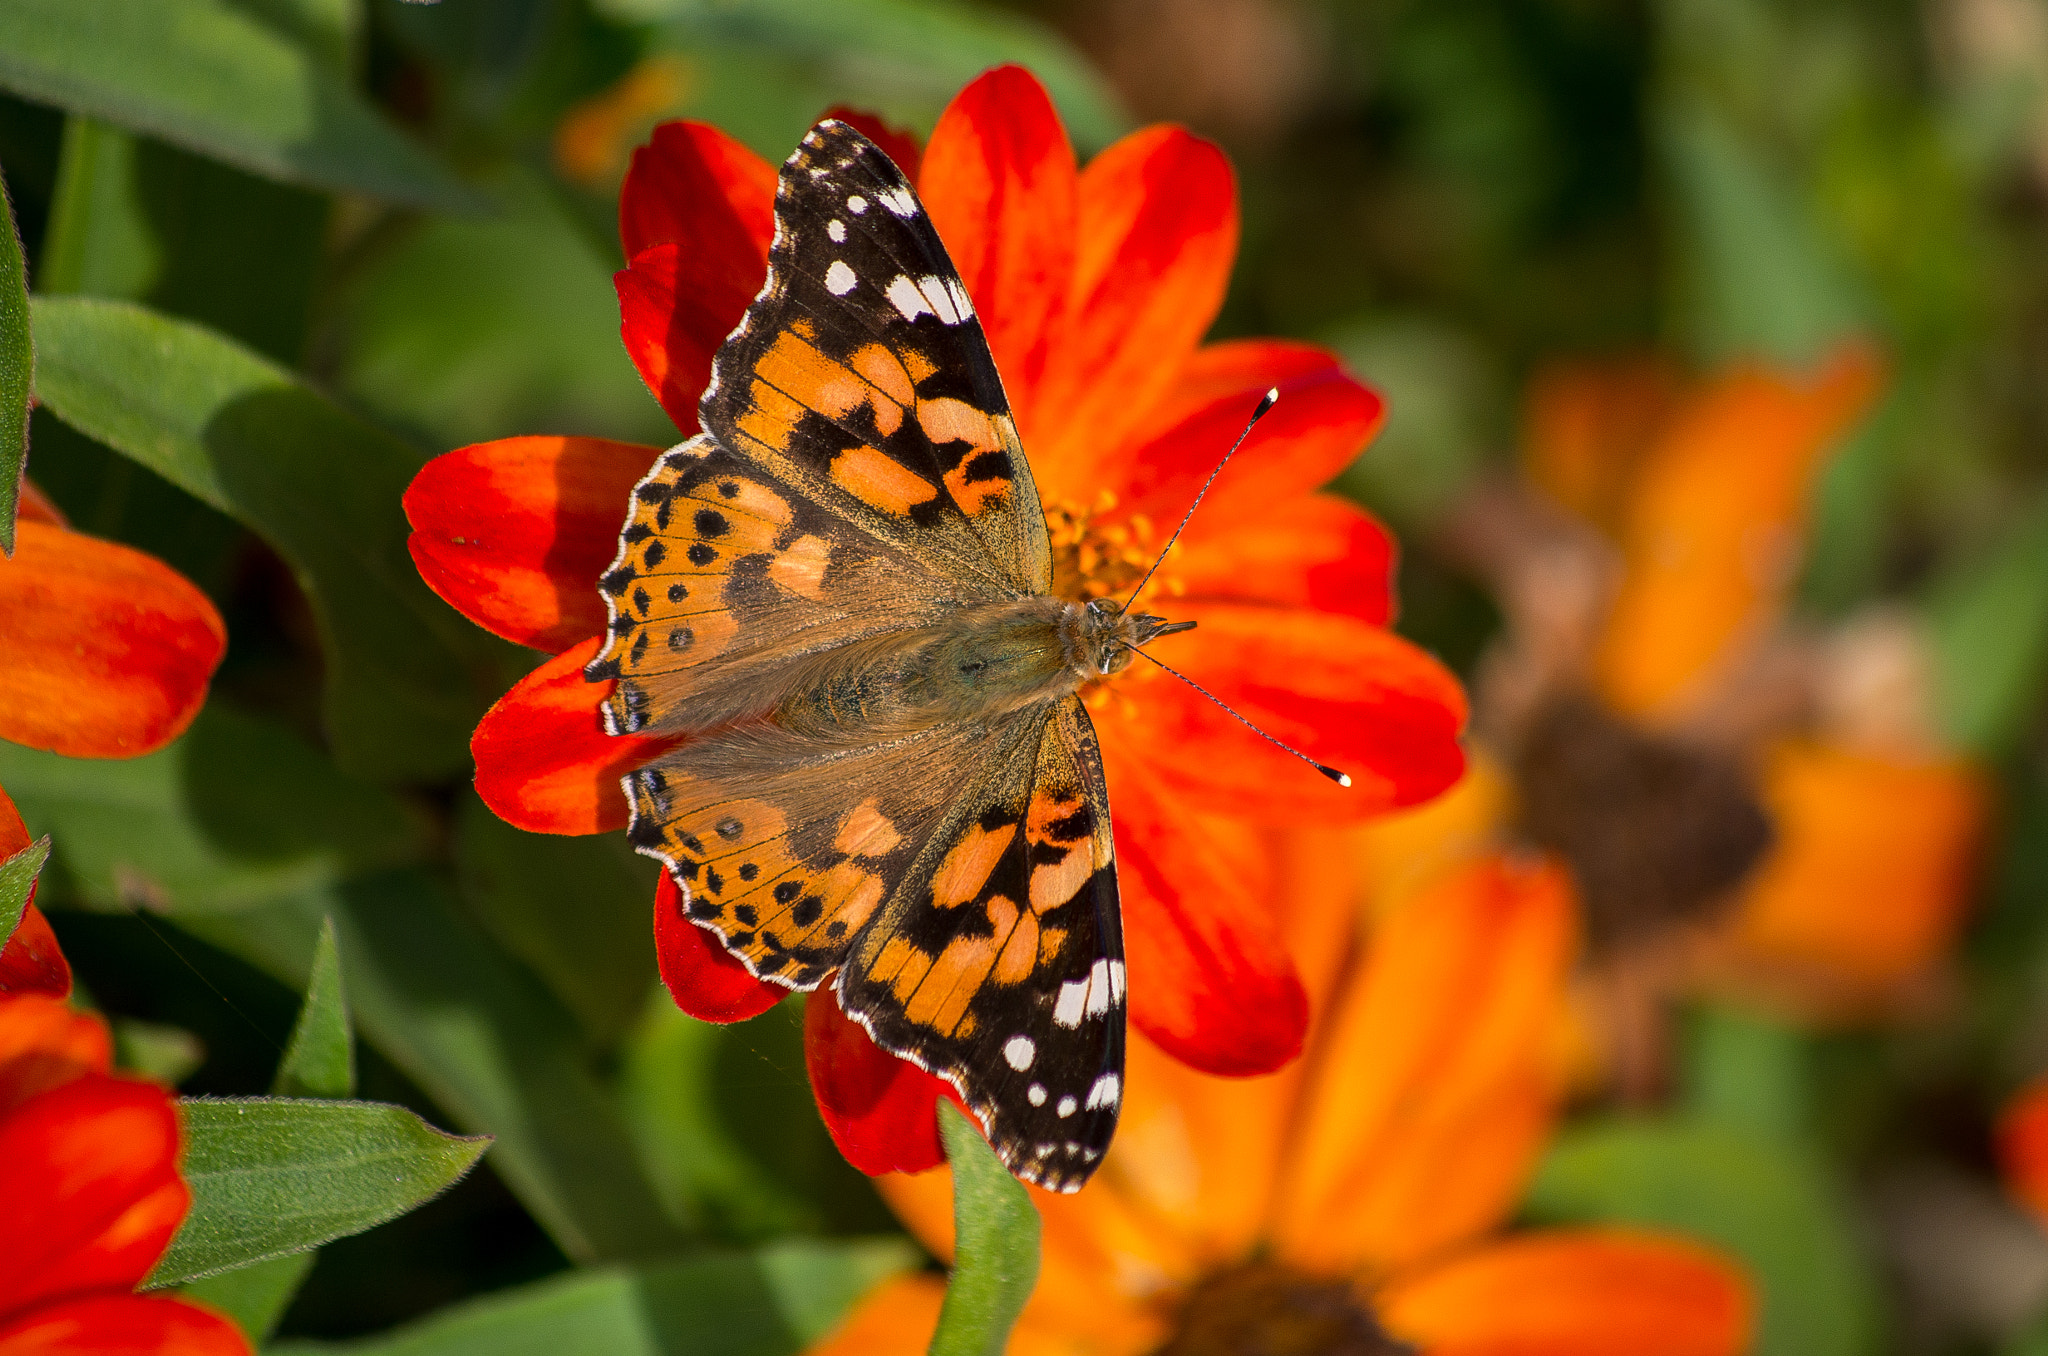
x,y
543,760
695,186
1211,981
13,833
31,961
92,1168
122,1325
882,1111
1157,230
706,980
1000,184
1323,421
1354,696
674,312
104,652
1317,552
45,1044
899,145
513,534
37,507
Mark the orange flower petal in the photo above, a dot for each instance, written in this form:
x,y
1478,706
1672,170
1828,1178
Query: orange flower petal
x,y
1210,977
1872,867
13,833
45,1044
673,315
882,1111
1343,692
1319,553
104,652
2022,1140
1576,1293
706,980
1589,427
1323,421
696,214
1000,183
1711,537
1430,1094
31,961
93,1163
899,1315
37,507
122,1325
513,534
1156,230
543,760
899,145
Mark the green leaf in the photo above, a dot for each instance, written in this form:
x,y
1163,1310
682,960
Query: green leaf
x,y
235,812
1765,1203
169,1054
479,1035
254,1296
17,369
770,1302
1990,629
575,910
407,677
320,1061
137,220
275,1176
18,881
995,1252
204,75
1761,279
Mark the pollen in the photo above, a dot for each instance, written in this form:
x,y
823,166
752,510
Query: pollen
x,y
1099,553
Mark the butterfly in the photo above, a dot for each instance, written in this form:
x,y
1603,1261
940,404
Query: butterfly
x,y
839,591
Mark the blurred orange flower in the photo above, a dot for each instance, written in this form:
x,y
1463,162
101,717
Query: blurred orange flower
x,y
2021,1138
1352,1202
1667,725
89,1172
1095,286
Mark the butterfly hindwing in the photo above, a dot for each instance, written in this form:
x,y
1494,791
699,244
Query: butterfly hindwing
x,y
861,375
998,964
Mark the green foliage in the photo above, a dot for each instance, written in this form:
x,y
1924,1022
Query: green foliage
x,y
255,1296
274,1176
764,1303
406,677
1991,636
17,880
321,1059
204,75
17,368
995,1247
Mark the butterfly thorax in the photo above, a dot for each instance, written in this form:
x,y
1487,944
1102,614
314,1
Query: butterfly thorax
x,y
986,662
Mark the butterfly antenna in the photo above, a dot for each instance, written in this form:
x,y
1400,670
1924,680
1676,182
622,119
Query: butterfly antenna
x,y
1341,778
1266,402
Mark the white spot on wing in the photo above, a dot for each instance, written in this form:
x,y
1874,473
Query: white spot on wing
x,y
839,279
837,230
1105,1092
856,204
1098,989
1116,981
899,201
1067,1107
1018,1051
1035,1094
1073,1001
960,301
940,298
905,296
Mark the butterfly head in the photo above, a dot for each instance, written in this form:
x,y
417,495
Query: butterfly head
x,y
1110,636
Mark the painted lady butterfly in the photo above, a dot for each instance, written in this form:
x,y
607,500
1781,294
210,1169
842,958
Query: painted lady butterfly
x,y
840,590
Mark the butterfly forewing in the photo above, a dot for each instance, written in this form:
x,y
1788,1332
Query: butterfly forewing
x,y
998,963
861,374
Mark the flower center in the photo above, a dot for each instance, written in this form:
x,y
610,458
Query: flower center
x,y
1657,832
1093,558
1267,1309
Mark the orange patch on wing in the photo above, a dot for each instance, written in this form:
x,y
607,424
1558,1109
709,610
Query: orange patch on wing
x,y
676,642
1019,955
902,966
941,999
749,497
880,481
967,867
886,372
866,831
771,417
800,566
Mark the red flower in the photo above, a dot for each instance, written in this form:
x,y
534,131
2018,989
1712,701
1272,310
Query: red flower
x,y
1095,287
89,1171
